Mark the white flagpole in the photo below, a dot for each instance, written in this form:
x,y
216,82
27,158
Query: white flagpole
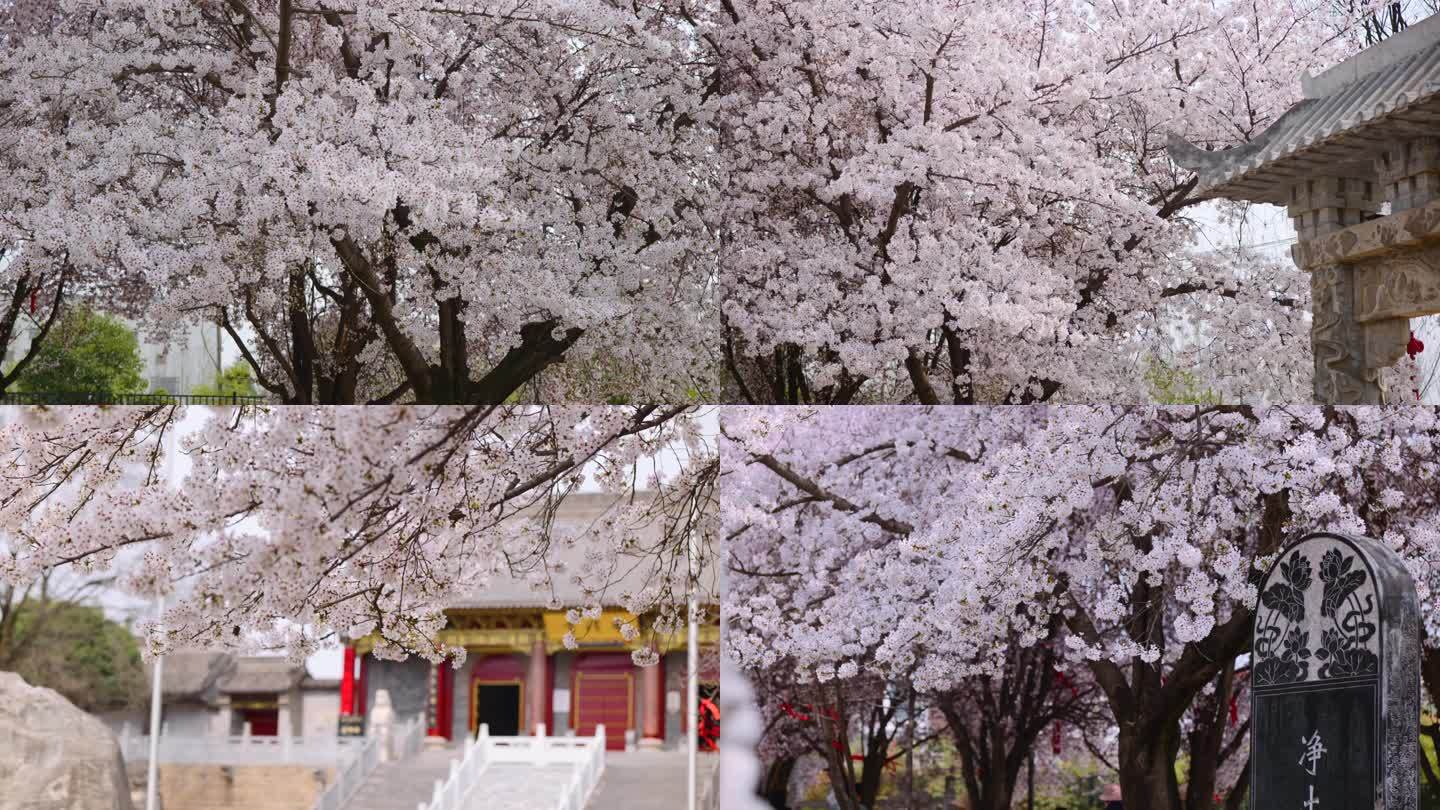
x,y
152,784
692,685
152,770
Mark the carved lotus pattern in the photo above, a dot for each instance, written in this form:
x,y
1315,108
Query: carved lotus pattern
x,y
1345,624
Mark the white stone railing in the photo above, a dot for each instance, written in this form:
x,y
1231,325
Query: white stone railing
x,y
586,774
586,754
351,774
710,797
240,750
410,739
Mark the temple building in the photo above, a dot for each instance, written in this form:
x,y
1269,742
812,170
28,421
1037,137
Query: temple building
x,y
518,673
220,694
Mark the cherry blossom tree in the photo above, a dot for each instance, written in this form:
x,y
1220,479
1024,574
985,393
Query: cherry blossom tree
x,y
904,541
295,525
23,303
948,201
997,721
382,200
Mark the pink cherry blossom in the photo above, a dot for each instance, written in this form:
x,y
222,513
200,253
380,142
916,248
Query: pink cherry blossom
x,y
295,526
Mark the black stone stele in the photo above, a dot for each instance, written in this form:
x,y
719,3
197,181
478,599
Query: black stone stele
x,y
1335,697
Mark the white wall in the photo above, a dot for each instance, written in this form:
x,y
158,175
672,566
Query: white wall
x,y
320,712
186,720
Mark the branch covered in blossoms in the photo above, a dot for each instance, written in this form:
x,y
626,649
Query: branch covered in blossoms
x,y
292,526
923,542
378,200
957,202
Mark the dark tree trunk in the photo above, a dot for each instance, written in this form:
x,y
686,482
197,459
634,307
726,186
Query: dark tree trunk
x,y
996,721
1147,707
776,785
1147,767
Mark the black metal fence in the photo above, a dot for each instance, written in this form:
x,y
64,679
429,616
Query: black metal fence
x,y
93,398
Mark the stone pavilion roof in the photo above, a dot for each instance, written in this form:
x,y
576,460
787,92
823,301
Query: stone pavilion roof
x,y
192,674
1387,91
262,674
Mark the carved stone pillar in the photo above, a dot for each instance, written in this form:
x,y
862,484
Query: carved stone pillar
x,y
538,685
1409,173
1348,355
653,685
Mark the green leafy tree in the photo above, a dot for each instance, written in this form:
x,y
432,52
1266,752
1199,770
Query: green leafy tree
x,y
87,352
1172,385
72,648
235,380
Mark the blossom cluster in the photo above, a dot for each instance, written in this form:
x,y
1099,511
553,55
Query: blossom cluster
x,y
915,541
292,526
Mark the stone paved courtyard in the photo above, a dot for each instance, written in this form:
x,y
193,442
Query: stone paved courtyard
x,y
646,780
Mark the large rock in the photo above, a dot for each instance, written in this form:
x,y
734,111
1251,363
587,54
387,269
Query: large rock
x,y
54,756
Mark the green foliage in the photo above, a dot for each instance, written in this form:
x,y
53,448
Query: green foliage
x,y
1081,783
75,650
1171,385
86,352
1429,791
235,380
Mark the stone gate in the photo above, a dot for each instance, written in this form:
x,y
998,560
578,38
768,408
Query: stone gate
x,y
1357,165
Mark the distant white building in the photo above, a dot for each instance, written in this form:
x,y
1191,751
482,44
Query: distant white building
x,y
193,358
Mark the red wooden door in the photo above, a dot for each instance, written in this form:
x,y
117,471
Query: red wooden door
x,y
605,698
604,693
263,722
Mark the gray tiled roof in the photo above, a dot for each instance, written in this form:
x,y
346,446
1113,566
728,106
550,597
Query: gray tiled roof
x,y
579,510
191,674
262,674
1337,126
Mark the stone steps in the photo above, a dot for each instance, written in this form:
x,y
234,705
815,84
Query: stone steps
x,y
648,780
404,785
508,786
505,786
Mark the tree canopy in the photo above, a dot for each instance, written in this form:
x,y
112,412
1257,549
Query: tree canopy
x,y
87,352
921,545
70,647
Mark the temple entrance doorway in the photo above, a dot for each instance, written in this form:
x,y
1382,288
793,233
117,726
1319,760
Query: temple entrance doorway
x,y
263,722
499,704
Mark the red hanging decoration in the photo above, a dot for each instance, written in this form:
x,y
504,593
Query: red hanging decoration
x,y
708,729
1055,739
1414,347
1061,680
1234,710
794,715
34,300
